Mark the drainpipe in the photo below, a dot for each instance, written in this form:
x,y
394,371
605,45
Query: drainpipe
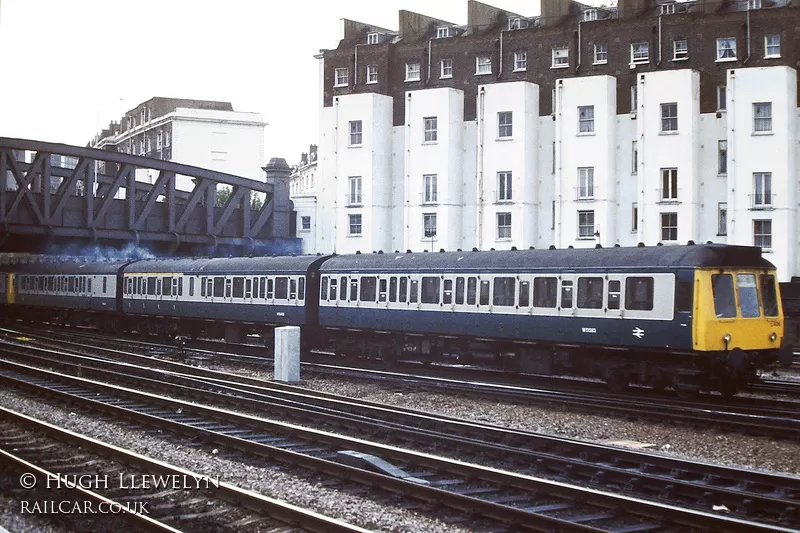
x,y
430,45
500,68
355,65
407,177
730,94
641,178
659,38
578,66
336,171
746,59
479,195
559,175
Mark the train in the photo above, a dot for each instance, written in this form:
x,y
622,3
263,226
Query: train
x,y
695,317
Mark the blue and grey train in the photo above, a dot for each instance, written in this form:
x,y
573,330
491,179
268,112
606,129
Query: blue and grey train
x,y
689,317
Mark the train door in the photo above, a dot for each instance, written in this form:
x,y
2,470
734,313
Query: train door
x,y
566,294
12,288
613,302
448,292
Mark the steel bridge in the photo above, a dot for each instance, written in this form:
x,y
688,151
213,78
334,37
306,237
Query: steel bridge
x,y
100,199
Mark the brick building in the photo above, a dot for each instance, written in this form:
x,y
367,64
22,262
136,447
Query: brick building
x,y
648,122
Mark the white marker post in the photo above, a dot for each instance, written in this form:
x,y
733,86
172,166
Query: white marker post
x,y
287,354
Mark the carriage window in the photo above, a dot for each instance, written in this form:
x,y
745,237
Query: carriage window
x,y
323,291
590,293
614,287
393,289
524,293
270,288
544,292
639,294
191,286
430,290
238,287
413,291
45,282
158,286
301,293
219,287
203,287
484,292
369,288
151,286
262,287
281,288
353,290
228,287
769,296
71,284
128,285
472,290
402,296
748,295
566,294
333,288
382,290
248,288
36,283
343,288
504,289
167,286
447,293
685,297
292,288
180,286
459,290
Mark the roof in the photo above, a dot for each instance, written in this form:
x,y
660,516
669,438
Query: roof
x,y
234,265
653,257
67,267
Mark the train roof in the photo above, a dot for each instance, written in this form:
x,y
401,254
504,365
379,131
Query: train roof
x,y
630,258
233,265
65,266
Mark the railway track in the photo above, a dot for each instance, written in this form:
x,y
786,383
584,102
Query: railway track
x,y
746,415
94,486
745,493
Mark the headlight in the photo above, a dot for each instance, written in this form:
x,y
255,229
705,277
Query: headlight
x,y
773,336
727,338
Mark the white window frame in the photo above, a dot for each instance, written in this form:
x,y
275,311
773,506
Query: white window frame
x,y
505,186
341,77
667,9
430,191
505,124
303,219
372,73
585,183
560,57
669,225
430,129
753,4
413,71
762,233
446,68
680,50
354,191
373,38
772,42
726,49
722,219
722,157
634,98
669,121
483,65
590,15
722,97
600,53
520,61
669,185
634,158
762,190
635,217
504,222
442,32
355,220
356,137
586,224
762,124
514,23
429,228
640,53
585,119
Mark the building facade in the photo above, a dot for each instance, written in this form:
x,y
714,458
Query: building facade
x,y
303,192
202,133
652,122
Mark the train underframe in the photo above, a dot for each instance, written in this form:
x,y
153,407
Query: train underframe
x,y
685,372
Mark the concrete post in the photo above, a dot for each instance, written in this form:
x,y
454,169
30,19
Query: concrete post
x,y
287,354
278,173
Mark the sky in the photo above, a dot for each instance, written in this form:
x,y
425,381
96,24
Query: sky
x,y
79,64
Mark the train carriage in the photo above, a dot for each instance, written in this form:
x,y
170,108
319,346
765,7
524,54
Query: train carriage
x,y
224,296
686,316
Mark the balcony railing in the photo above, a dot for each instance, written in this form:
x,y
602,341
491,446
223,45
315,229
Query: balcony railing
x,y
762,201
669,196
353,200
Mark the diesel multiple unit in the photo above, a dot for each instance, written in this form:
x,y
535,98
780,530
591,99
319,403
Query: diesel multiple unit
x,y
689,317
